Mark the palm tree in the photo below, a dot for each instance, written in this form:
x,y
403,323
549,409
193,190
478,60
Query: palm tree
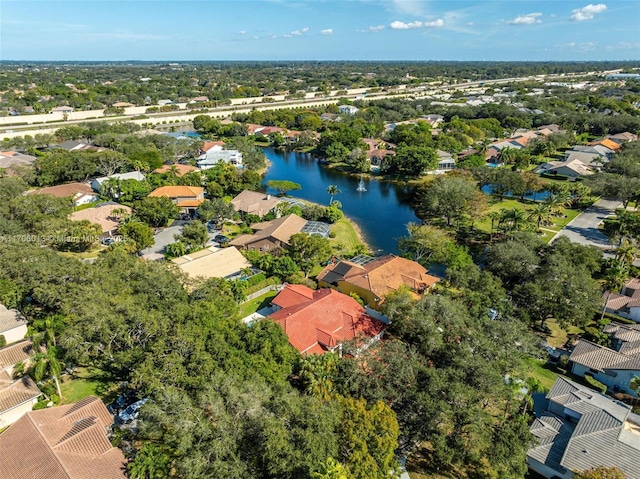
x,y
317,374
333,190
512,219
151,462
48,327
557,202
507,155
626,253
540,213
45,364
494,216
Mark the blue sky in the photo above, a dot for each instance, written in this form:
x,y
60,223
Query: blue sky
x,y
319,30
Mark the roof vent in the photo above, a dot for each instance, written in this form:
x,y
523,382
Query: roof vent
x,y
586,451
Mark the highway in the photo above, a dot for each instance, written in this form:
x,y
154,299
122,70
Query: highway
x,y
11,127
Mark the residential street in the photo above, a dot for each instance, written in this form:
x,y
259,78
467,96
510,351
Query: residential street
x,y
584,227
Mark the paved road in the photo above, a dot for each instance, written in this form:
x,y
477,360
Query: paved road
x,y
583,228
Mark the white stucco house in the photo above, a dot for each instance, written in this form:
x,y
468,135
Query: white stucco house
x,y
348,109
214,156
627,303
132,175
13,326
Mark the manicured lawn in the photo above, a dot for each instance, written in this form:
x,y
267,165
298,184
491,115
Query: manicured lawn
x,y
538,369
548,231
254,305
558,336
346,238
88,381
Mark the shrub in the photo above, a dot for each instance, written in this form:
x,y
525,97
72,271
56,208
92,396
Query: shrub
x,y
555,177
256,279
3,341
332,234
594,383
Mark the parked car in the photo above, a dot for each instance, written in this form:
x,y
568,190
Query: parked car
x,y
121,402
222,239
131,412
212,227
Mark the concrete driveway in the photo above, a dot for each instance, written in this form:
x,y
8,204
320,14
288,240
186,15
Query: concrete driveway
x,y
163,238
583,228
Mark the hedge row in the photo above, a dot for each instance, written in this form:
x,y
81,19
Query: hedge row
x,y
595,384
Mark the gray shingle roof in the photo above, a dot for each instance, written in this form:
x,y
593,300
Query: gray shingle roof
x,y
10,318
605,433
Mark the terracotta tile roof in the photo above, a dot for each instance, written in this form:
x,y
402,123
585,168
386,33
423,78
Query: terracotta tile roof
x,y
178,192
64,191
15,353
64,442
180,170
210,144
381,276
316,321
10,318
606,142
190,203
101,215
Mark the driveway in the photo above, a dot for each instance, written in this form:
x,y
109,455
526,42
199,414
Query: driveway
x,y
163,238
583,228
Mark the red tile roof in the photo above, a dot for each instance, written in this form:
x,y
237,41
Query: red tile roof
x,y
64,442
210,144
317,321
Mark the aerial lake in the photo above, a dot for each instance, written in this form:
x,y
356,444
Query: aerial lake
x,y
381,212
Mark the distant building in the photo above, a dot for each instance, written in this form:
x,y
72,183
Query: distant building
x,y
255,203
62,109
81,193
572,168
132,175
62,442
9,159
180,170
348,109
216,154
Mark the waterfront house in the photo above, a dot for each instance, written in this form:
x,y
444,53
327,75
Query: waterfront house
x,y
270,235
571,168
254,203
374,278
320,321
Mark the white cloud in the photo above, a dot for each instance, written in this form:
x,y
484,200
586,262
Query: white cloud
x,y
286,35
436,23
242,32
328,31
528,19
299,33
588,12
372,29
398,25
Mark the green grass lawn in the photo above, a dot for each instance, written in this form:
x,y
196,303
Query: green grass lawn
x,y
346,237
548,231
254,305
86,382
540,370
558,335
